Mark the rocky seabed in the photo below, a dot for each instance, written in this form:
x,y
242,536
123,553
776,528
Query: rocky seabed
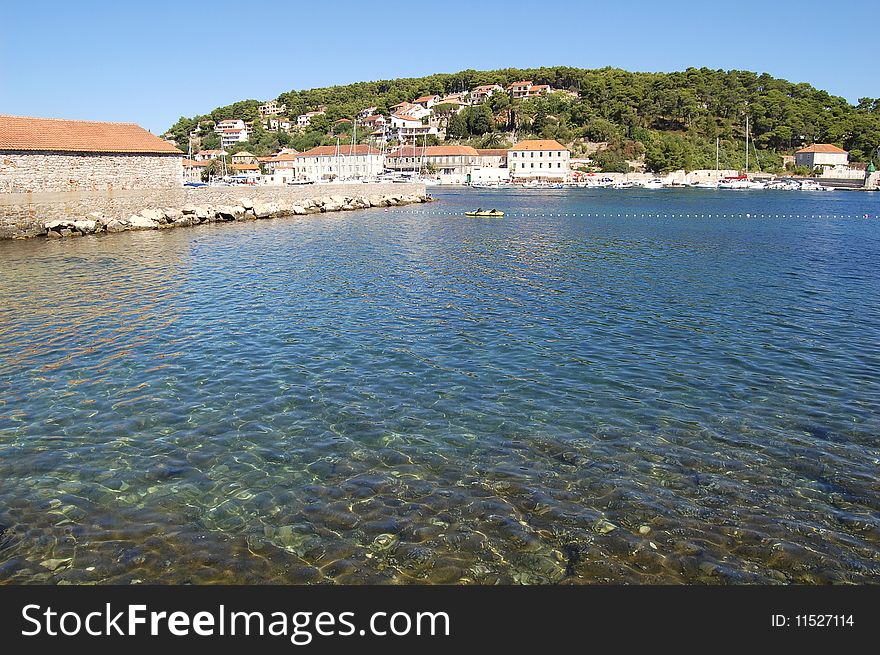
x,y
244,210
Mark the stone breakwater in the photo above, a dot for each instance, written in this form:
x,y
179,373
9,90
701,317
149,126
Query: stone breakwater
x,y
245,209
69,215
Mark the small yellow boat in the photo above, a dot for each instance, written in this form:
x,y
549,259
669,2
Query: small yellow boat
x,y
485,213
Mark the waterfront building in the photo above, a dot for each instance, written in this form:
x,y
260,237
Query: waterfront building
x,y
481,94
272,108
52,154
492,157
244,157
250,171
193,170
452,164
821,155
539,159
203,155
347,162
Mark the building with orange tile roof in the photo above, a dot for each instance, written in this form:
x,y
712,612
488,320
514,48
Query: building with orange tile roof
x,y
52,154
480,94
539,159
821,155
342,162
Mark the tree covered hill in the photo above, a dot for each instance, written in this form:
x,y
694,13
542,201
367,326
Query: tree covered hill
x,y
673,119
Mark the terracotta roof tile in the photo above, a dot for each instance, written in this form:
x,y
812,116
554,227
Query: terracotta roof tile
x,y
539,144
344,150
56,134
822,147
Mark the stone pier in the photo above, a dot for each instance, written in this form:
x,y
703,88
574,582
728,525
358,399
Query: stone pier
x,y
73,213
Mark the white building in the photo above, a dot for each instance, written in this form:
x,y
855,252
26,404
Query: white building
x,y
409,109
192,169
274,124
540,159
409,128
519,89
426,101
526,89
821,155
272,108
343,162
373,122
482,93
304,120
364,113
493,157
231,132
204,155
244,157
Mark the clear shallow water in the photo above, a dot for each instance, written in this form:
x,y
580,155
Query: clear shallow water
x,y
414,397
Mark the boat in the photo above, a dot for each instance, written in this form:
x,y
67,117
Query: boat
x,y
625,184
812,185
485,213
656,183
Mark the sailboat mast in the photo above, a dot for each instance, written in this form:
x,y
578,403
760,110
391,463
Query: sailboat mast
x,y
747,144
717,155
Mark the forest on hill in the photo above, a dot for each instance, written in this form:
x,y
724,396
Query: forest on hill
x,y
671,120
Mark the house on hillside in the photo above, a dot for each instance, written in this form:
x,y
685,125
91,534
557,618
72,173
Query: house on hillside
x,y
410,109
52,154
231,132
272,108
481,94
274,123
304,120
519,89
426,101
407,128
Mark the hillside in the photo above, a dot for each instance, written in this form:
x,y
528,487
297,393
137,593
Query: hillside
x,y
671,120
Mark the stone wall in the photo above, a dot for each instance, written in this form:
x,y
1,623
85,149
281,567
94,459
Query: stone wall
x,y
25,214
60,172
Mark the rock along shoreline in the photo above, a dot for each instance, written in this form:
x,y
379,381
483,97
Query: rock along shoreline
x,y
243,209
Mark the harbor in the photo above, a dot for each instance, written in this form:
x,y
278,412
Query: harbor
x,y
599,387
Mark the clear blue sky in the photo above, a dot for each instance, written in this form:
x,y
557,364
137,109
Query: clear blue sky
x,y
151,62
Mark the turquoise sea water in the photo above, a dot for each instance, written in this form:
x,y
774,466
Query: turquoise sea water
x,y
411,396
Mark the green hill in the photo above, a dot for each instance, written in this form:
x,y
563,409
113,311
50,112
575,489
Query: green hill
x,y
672,119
